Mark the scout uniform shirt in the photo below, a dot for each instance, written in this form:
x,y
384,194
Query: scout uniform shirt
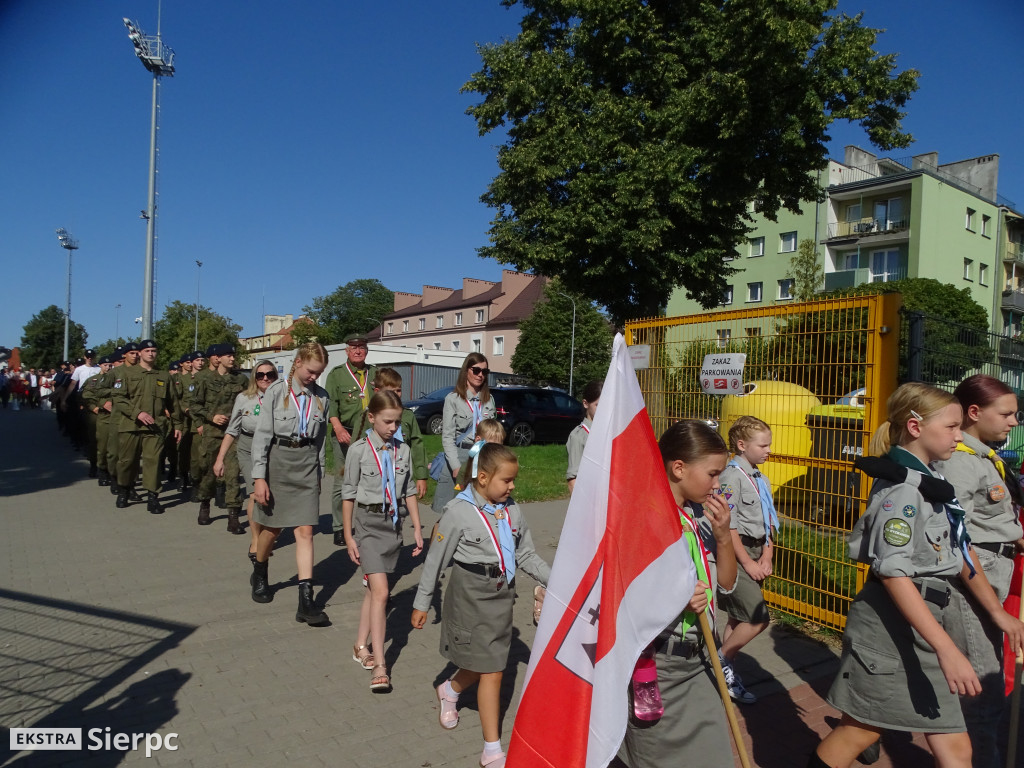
x,y
462,536
349,396
136,391
460,421
244,415
574,447
982,492
365,486
903,534
740,489
278,421
411,436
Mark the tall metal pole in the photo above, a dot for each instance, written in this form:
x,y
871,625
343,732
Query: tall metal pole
x,y
69,244
199,268
572,343
117,322
147,292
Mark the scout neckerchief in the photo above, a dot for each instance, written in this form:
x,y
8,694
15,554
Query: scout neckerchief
x,y
386,467
504,544
474,454
360,381
304,405
764,491
699,555
954,512
1015,497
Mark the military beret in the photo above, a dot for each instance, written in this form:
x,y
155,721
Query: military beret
x,y
131,346
117,357
90,353
79,361
103,360
147,344
197,355
174,366
212,350
225,349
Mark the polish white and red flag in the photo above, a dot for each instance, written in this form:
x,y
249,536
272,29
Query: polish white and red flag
x,y
622,574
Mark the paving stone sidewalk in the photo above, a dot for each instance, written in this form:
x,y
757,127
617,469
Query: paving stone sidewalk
x,y
141,623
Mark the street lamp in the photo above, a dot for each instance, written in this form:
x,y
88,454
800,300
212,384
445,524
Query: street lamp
x,y
572,343
69,244
117,322
158,59
199,267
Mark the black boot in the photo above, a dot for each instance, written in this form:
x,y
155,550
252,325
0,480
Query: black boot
x,y
153,504
104,479
233,525
204,512
122,498
260,583
308,612
114,487
221,492
133,495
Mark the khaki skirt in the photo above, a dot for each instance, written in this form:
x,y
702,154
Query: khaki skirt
x,y
445,489
294,488
243,449
379,541
746,601
476,620
889,676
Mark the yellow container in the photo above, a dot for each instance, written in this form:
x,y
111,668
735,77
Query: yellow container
x,y
784,407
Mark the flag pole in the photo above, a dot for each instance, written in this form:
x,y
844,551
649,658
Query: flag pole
x,y
723,690
1011,746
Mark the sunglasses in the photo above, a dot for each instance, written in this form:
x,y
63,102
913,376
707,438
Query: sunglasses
x,y
272,375
476,370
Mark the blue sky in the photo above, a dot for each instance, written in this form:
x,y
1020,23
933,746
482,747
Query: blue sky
x,y
306,144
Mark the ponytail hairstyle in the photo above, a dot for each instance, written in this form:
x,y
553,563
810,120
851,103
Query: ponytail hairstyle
x,y
744,428
980,390
491,457
311,350
487,431
689,441
910,401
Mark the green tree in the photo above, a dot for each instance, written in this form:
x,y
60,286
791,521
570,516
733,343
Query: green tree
x,y
42,339
639,132
107,347
807,272
174,332
355,307
546,340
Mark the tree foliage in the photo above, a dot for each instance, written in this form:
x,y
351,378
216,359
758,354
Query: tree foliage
x,y
639,132
355,307
546,340
807,272
174,333
42,339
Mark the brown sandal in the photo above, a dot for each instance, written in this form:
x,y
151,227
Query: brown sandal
x,y
380,683
363,656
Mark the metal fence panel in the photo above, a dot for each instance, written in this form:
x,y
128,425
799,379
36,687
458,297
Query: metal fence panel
x,y
819,373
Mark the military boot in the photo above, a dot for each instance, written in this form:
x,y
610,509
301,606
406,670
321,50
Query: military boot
x,y
308,612
104,478
260,583
122,498
233,525
204,512
153,504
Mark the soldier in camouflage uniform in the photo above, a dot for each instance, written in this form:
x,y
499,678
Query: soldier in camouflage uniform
x,y
129,359
96,396
188,448
212,403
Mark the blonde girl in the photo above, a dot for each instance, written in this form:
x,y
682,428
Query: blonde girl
x,y
899,668
485,533
287,469
378,476
693,723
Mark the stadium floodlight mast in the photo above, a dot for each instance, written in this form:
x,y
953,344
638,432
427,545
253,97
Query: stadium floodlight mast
x,y
69,244
158,59
199,268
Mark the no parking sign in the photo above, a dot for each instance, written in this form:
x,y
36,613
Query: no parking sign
x,y
723,374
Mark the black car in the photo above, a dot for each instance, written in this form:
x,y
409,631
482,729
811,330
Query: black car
x,y
428,409
534,415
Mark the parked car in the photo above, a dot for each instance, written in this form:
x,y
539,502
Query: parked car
x,y
535,415
428,410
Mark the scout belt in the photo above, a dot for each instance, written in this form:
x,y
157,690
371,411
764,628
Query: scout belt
x,y
286,442
1007,549
247,434
490,571
376,509
670,644
752,541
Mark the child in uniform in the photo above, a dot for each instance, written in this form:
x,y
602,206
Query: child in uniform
x,y
899,669
486,534
378,474
753,519
692,730
578,437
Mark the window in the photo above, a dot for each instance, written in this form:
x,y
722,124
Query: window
x,y
499,346
787,242
968,269
985,222
479,315
853,212
458,318
391,328
753,332
477,345
437,345
756,246
423,323
983,274
786,288
969,221
724,335
753,291
440,321
405,326
885,267
727,295
889,214
455,346
851,260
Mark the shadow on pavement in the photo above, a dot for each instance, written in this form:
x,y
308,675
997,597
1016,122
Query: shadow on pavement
x,y
42,461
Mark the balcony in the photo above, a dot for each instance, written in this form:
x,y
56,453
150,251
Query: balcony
x,y
866,228
1011,348
1014,252
851,278
1013,298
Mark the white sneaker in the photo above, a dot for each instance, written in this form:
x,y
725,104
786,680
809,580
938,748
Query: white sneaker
x,y
732,681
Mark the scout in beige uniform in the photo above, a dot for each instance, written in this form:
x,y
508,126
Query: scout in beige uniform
x,y
378,477
485,533
578,437
986,490
288,454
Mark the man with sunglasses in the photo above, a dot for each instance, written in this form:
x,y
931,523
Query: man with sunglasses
x,y
350,387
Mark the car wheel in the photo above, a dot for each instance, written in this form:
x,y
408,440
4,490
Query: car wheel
x,y
521,435
435,424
